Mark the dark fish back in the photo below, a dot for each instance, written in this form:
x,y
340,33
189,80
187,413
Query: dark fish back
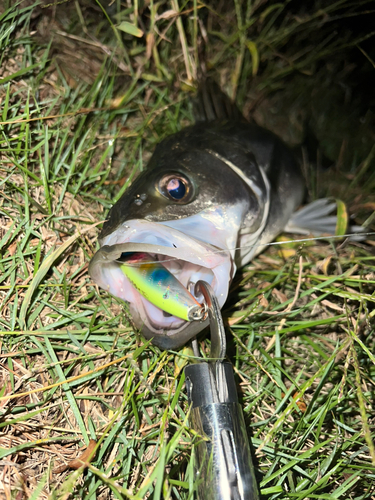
x,y
219,119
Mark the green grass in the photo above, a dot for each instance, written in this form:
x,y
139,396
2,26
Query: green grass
x,y
82,107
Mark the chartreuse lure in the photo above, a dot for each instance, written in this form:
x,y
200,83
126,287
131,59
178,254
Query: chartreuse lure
x,y
160,287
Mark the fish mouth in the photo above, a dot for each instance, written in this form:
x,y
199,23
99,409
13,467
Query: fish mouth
x,y
188,258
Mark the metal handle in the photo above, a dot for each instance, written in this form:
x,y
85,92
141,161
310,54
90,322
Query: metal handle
x,y
223,459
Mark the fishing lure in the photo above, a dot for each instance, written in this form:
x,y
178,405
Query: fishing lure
x,y
160,287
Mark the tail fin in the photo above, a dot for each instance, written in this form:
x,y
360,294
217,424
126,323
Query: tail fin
x,y
212,104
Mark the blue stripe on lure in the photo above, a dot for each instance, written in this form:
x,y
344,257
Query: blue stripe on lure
x,y
160,287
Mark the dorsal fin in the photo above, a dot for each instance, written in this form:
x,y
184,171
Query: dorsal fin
x,y
211,103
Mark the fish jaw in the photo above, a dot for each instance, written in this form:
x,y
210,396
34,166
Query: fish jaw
x,y
199,247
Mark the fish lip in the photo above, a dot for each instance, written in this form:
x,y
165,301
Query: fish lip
x,y
113,252
195,253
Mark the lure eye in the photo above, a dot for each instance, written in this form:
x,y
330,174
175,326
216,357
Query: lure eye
x,y
176,187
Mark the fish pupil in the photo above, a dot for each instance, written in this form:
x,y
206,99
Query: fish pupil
x,y
176,188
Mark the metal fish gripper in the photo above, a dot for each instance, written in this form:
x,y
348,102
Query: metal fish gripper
x,y
224,469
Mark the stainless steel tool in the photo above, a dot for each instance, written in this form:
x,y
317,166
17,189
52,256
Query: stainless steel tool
x,y
223,459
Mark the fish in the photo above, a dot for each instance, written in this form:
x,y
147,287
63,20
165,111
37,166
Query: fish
x,y
210,199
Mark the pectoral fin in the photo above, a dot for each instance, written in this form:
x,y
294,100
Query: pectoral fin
x,y
318,218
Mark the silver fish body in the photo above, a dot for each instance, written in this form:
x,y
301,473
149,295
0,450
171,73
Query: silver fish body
x,y
208,200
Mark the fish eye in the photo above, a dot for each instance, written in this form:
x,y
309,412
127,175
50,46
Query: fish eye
x,y
176,187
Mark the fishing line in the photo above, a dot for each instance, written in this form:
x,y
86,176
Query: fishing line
x,y
272,243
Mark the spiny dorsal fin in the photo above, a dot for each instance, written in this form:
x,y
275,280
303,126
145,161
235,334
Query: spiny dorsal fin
x,y
211,103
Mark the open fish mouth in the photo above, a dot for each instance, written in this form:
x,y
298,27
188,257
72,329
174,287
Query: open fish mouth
x,y
189,259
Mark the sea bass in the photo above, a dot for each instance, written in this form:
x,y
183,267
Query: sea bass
x,y
209,200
